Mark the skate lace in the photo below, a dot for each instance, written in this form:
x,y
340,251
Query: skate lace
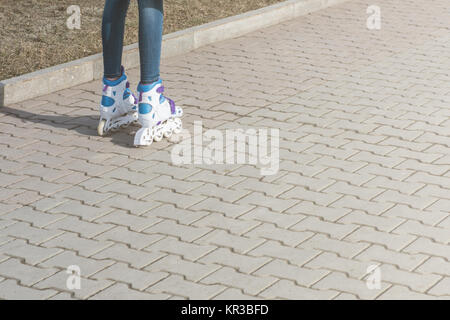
x,y
160,90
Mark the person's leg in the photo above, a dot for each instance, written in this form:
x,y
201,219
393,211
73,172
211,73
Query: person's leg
x,y
151,17
118,105
113,27
158,115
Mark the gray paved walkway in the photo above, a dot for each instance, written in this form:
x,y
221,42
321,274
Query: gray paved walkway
x,y
364,173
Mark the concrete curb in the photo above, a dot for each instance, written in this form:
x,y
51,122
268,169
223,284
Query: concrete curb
x,y
83,70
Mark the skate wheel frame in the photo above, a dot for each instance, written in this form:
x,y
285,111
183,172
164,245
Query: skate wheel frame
x,y
124,121
178,125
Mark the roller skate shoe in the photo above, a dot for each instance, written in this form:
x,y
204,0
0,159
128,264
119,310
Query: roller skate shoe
x,y
158,115
118,108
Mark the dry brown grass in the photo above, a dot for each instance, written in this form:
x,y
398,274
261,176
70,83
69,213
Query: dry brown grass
x,y
34,35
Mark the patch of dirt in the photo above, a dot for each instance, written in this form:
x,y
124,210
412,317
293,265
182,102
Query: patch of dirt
x,y
34,34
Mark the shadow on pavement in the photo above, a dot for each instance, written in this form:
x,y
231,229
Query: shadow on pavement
x,y
84,125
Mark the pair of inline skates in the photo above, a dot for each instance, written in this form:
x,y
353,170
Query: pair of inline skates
x,y
158,115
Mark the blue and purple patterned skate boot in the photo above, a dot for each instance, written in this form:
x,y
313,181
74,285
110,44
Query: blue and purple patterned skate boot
x,y
158,115
118,108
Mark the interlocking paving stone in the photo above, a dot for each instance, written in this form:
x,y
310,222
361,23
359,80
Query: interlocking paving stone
x,y
73,241
243,263
397,292
234,294
10,289
287,289
67,258
175,265
35,236
88,287
238,244
121,291
248,283
364,172
136,278
30,253
135,240
135,258
301,276
176,285
442,288
36,218
26,275
402,260
189,251
340,282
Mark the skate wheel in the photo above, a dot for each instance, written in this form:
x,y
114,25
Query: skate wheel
x,y
168,133
158,136
178,125
101,128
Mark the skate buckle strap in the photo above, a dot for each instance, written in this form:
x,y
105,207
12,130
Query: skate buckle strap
x,y
171,102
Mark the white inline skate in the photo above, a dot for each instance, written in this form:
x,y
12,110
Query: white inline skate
x,y
158,115
118,108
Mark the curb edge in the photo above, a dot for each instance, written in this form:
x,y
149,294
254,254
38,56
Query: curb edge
x,y
76,72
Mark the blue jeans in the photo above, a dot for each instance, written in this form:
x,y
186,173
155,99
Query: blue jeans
x,y
151,17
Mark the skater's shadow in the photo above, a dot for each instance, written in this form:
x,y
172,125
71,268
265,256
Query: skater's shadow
x,y
84,125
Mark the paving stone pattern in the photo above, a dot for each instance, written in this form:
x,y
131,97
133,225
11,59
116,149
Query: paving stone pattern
x,y
364,177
